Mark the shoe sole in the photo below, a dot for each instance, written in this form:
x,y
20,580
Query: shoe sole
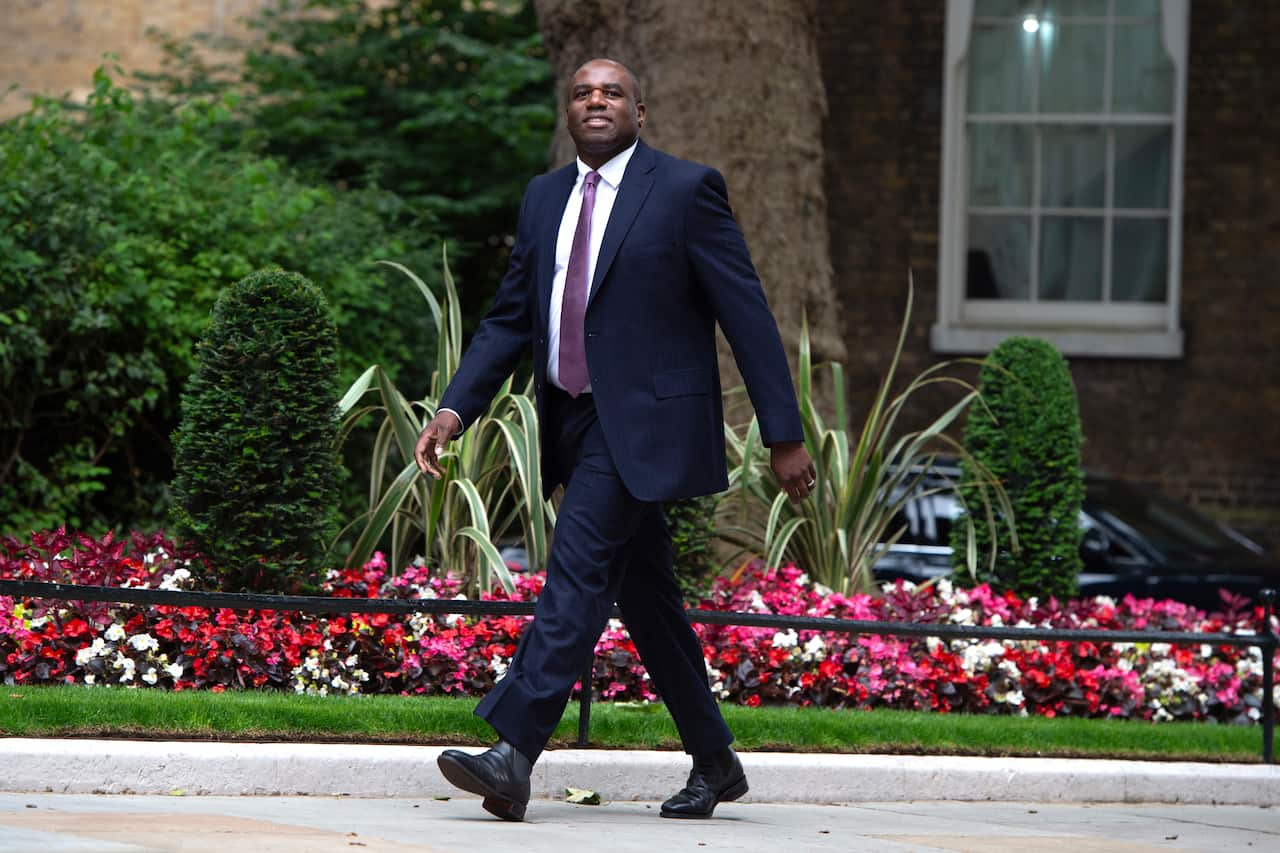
x,y
733,792
494,803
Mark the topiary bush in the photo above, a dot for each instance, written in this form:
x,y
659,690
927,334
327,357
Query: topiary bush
x,y
1028,435
692,526
256,457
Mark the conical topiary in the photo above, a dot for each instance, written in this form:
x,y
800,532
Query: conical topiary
x,y
1028,435
255,455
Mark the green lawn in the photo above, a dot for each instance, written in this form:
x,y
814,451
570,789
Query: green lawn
x,y
115,712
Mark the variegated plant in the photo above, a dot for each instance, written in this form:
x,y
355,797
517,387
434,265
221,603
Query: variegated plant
x,y
837,533
492,488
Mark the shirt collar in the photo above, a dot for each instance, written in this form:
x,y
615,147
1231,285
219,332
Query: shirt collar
x,y
611,172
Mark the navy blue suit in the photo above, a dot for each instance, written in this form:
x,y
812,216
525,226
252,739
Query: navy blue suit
x,y
672,264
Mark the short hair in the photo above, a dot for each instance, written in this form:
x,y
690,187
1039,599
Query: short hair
x,y
635,81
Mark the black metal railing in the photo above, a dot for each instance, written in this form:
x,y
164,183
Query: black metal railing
x,y
1265,639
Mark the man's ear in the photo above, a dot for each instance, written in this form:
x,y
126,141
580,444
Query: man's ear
x,y
640,111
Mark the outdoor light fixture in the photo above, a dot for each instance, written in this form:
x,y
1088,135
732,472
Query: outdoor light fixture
x,y
1030,24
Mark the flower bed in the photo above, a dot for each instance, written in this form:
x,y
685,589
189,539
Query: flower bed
x,y
184,648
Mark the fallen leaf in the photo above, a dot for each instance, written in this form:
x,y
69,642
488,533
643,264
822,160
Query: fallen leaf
x,y
17,696
581,797
440,798
32,806
1171,838
178,792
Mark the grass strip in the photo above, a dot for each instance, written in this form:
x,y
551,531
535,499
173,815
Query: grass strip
x,y
75,711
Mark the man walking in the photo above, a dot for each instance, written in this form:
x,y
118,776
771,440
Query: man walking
x,y
624,262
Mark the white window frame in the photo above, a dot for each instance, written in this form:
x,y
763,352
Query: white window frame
x,y
1132,330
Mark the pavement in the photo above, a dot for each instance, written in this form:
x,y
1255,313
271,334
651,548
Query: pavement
x,y
131,796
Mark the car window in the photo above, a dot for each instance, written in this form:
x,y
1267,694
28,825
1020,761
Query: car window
x,y
927,519
1169,526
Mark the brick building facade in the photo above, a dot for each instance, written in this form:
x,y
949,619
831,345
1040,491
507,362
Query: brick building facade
x,y
1204,426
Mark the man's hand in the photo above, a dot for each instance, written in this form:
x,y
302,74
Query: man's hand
x,y
444,426
793,468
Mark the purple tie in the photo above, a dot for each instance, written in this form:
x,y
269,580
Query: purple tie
x,y
573,307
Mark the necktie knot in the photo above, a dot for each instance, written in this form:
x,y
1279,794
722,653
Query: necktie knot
x,y
593,178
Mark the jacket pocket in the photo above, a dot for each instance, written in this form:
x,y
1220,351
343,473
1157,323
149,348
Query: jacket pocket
x,y
680,383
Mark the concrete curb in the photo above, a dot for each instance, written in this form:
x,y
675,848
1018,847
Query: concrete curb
x,y
163,767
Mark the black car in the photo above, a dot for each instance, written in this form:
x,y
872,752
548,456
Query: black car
x,y
1135,541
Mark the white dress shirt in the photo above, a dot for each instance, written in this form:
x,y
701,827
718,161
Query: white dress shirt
x,y
606,194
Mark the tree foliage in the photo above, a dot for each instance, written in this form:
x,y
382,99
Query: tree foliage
x,y
448,103
1028,435
119,225
256,457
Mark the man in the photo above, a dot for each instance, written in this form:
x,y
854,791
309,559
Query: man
x,y
623,263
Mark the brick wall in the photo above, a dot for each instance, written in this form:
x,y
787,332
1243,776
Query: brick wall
x,y
1205,427
52,46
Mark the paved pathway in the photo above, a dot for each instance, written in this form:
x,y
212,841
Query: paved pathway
x,y
67,823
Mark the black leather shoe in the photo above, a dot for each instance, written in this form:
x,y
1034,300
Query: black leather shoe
x,y
500,775
716,778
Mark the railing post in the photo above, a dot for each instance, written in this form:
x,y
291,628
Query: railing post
x,y
1268,647
584,703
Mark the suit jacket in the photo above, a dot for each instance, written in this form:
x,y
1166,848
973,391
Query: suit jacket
x,y
672,264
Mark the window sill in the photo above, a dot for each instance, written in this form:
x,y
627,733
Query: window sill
x,y
1078,343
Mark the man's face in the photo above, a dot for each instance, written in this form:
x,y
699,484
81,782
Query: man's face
x,y
604,115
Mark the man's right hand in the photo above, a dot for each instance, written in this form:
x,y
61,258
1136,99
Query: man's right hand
x,y
444,426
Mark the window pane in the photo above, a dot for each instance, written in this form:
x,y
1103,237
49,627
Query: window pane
x,y
999,258
1003,8
1143,155
1137,8
999,165
1143,70
1140,260
1072,65
1077,8
1074,160
1000,69
1071,258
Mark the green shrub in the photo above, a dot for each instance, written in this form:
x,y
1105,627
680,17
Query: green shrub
x,y
256,451
119,224
692,524
449,103
1028,436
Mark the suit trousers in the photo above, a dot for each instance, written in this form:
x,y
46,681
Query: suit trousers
x,y
608,546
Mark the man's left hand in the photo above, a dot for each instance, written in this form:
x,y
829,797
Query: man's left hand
x,y
793,468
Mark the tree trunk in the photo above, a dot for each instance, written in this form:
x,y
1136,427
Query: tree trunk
x,y
736,86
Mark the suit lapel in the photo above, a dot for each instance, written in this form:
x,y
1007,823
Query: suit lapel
x,y
557,196
632,191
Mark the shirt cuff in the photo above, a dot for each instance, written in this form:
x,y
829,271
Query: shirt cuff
x,y
462,427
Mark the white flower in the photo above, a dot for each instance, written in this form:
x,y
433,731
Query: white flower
x,y
499,667
338,683
962,616
1161,649
1104,601
785,639
1010,669
934,643
1124,664
127,675
174,670
1014,697
946,590
115,633
144,642
815,649
351,661
1206,650
822,590
803,580
150,676
85,655
90,678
